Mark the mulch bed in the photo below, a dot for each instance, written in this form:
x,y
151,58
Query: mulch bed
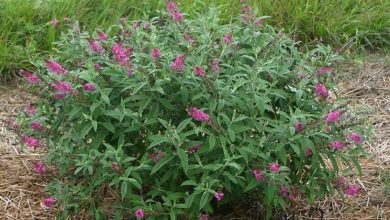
x,y
21,190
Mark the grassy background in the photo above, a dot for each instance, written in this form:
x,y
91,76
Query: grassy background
x,y
26,32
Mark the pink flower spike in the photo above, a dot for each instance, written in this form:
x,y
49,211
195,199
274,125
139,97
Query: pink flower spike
x,y
260,21
136,25
274,167
174,11
156,156
245,19
36,125
155,53
54,22
115,167
95,46
214,64
321,90
147,26
355,137
193,149
341,181
55,67
33,79
102,36
199,71
292,197
283,191
228,38
40,168
130,72
89,87
203,217
31,142
322,70
49,202
258,174
218,195
337,145
178,64
140,213
62,89
31,110
177,16
30,77
246,9
172,7
298,127
309,152
198,115
97,67
122,55
333,116
13,124
352,190
188,38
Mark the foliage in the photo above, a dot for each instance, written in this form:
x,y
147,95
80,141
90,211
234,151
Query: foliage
x,y
178,116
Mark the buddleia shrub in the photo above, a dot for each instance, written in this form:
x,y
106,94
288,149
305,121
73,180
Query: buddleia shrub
x,y
171,118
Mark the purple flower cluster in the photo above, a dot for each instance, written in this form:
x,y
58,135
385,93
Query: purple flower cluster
x,y
55,67
174,11
199,115
122,55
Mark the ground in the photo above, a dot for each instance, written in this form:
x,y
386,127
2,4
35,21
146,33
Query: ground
x,y
367,86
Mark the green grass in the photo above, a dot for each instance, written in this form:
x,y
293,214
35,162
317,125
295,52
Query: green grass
x,y
25,30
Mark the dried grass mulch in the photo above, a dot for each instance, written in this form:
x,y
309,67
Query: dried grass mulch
x,y
21,190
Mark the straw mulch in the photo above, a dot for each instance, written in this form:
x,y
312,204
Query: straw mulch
x,y
21,190
368,87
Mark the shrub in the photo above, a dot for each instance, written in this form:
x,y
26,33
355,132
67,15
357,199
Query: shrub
x,y
170,118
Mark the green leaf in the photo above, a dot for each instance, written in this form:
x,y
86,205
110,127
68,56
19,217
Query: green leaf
x,y
183,124
230,177
134,182
123,189
357,165
334,162
162,139
85,130
189,183
296,149
204,199
75,112
94,125
183,159
238,128
161,163
105,98
109,126
232,135
269,195
211,142
172,214
164,123
99,137
251,185
190,199
78,170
